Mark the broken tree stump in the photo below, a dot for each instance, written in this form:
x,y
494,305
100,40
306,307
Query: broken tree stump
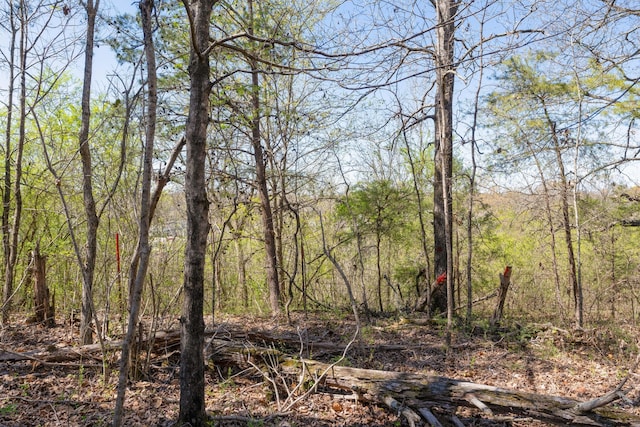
x,y
505,281
434,297
44,305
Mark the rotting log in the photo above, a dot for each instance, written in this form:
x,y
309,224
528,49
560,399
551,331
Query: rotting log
x,y
163,342
417,390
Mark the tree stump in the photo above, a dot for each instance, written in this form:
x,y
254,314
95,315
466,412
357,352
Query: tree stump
x,y
44,304
505,281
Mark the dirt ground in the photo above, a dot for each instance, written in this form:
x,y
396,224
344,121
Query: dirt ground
x,y
539,358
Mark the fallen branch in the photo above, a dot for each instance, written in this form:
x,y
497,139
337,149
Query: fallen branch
x,y
405,411
163,342
612,396
429,417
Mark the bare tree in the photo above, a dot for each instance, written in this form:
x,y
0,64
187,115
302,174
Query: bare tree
x,y
8,244
261,179
38,34
139,267
192,322
89,263
446,11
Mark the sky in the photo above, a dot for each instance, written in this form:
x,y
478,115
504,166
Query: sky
x,y
104,60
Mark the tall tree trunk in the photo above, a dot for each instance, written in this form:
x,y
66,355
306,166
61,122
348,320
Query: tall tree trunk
x,y
303,271
88,267
17,184
279,188
442,210
338,267
566,224
6,195
423,227
242,272
359,266
296,254
261,181
138,269
472,187
379,268
552,228
573,275
192,321
279,235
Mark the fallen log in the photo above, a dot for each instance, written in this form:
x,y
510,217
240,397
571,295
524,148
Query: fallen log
x,y
167,341
163,341
417,391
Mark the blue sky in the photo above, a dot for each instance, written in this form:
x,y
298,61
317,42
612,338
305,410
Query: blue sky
x,y
104,59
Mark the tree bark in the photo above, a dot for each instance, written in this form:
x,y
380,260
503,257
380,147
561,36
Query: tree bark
x,y
139,266
7,288
434,298
443,163
379,267
88,266
505,281
44,308
273,283
566,225
421,390
192,322
13,230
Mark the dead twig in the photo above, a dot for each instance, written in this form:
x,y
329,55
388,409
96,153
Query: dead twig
x,y
321,377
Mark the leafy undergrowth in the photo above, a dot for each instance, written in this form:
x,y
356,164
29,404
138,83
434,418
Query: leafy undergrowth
x,y
537,358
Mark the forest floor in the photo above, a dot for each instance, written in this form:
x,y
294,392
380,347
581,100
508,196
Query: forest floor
x,y
536,358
